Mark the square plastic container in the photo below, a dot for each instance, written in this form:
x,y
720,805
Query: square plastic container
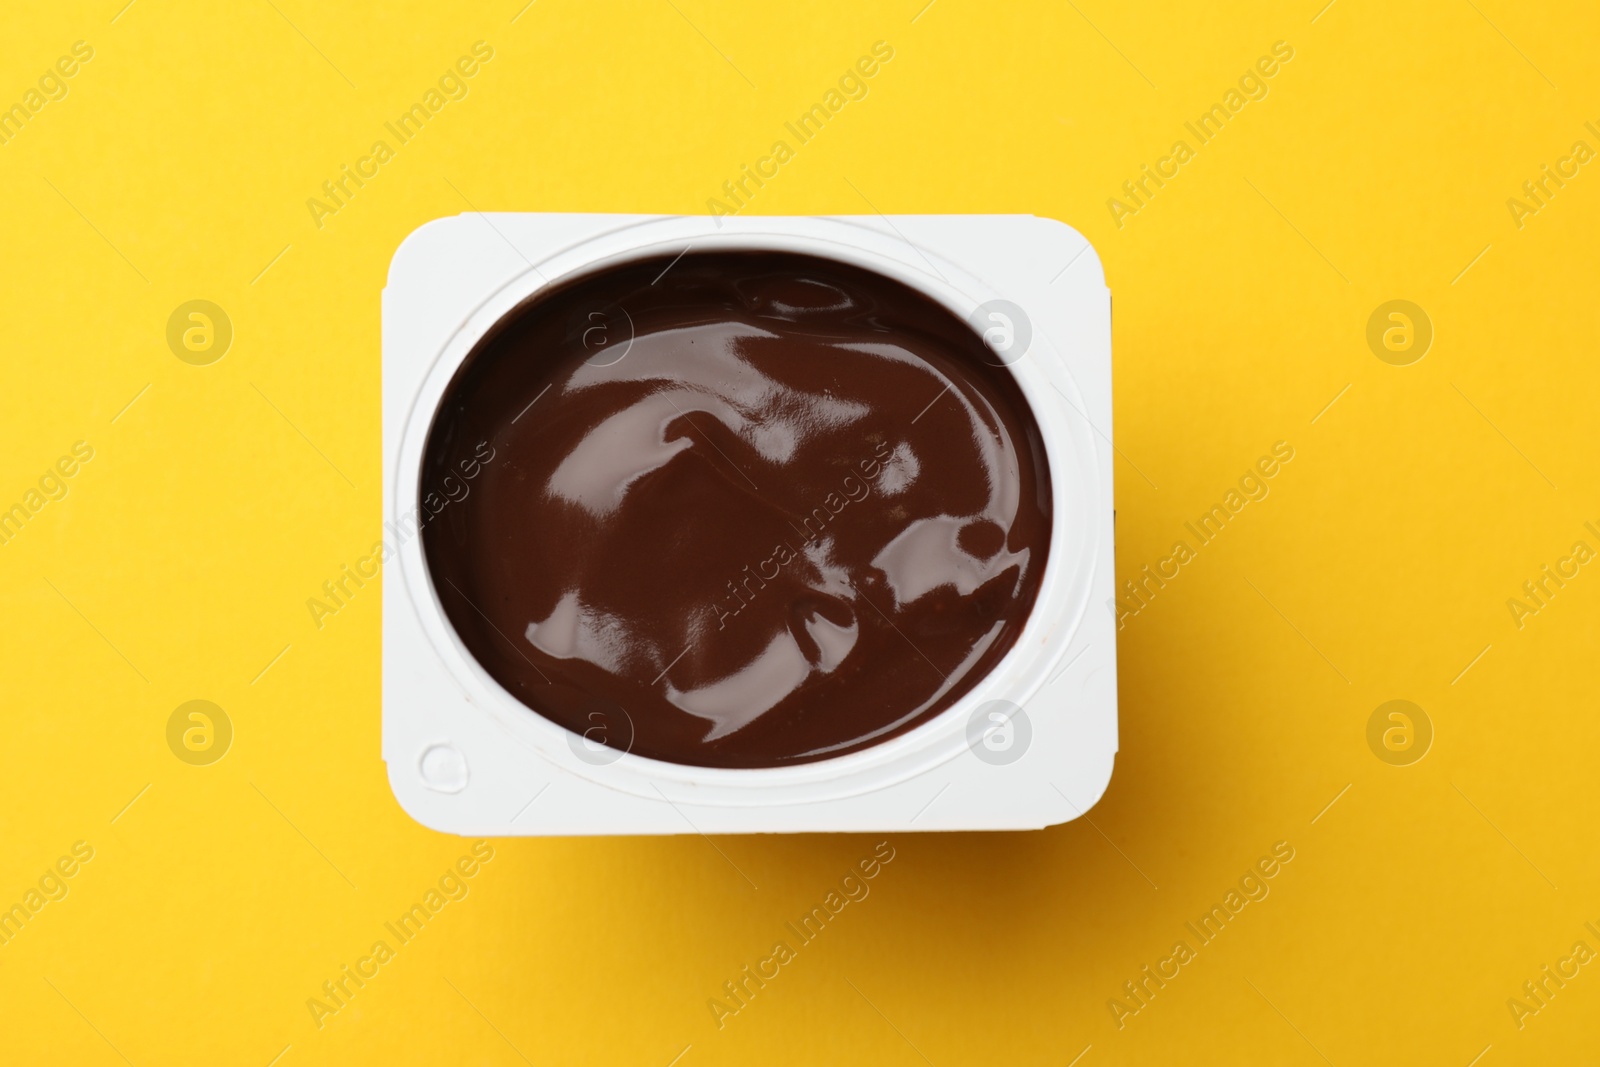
x,y
1031,745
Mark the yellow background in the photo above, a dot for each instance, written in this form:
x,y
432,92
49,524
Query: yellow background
x,y
1378,168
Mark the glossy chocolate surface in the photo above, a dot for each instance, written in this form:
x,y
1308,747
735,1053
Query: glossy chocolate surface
x,y
743,509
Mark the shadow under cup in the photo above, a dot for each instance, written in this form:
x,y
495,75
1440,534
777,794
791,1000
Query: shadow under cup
x,y
735,509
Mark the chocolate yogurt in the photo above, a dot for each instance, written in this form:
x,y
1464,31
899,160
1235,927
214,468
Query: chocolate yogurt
x,y
735,509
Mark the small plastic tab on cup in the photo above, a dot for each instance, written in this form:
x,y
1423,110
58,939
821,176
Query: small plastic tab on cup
x,y
443,768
